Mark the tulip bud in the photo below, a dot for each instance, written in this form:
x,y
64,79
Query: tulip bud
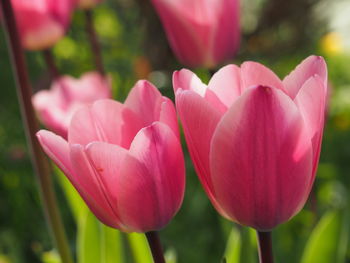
x,y
42,23
255,140
55,107
125,160
201,33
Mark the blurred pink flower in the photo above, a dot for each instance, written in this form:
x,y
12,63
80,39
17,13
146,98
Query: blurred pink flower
x,y
55,107
42,23
88,4
125,160
201,32
255,140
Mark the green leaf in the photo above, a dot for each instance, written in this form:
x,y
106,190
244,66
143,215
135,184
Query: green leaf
x,y
139,248
249,245
89,239
112,250
76,203
241,245
233,246
326,240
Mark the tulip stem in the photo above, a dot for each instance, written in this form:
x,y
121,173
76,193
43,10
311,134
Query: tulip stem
x,y
265,247
95,45
51,65
155,246
39,161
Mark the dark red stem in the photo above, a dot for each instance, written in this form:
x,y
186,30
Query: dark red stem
x,y
30,124
95,45
265,247
155,246
50,63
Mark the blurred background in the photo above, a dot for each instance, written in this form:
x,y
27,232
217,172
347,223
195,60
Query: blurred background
x,y
277,33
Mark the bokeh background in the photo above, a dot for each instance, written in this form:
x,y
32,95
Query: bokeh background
x,y
277,33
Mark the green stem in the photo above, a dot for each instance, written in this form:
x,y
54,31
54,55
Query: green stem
x,y
30,124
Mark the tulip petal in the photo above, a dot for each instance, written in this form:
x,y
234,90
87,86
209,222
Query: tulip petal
x,y
57,149
199,120
191,47
146,184
226,84
88,88
226,37
311,100
159,149
91,187
105,120
145,100
168,116
186,80
47,106
313,65
254,74
261,159
86,125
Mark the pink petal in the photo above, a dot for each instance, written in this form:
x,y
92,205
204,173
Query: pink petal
x,y
145,100
168,116
311,100
159,149
261,159
189,39
46,105
57,149
106,121
313,65
226,37
226,84
92,188
255,74
187,80
107,161
146,186
199,120
88,88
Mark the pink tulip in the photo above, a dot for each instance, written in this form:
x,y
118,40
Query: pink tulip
x,y
42,23
255,140
56,106
88,4
125,160
201,32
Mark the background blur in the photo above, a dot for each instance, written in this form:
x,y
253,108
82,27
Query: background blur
x,y
277,33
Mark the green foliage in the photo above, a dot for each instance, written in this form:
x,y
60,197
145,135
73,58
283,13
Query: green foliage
x,y
89,239
327,240
139,247
241,246
233,247
112,249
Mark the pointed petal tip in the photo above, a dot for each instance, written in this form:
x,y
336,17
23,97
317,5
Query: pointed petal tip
x,y
144,84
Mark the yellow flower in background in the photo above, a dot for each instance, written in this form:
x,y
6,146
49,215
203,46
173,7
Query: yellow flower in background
x,y
332,44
